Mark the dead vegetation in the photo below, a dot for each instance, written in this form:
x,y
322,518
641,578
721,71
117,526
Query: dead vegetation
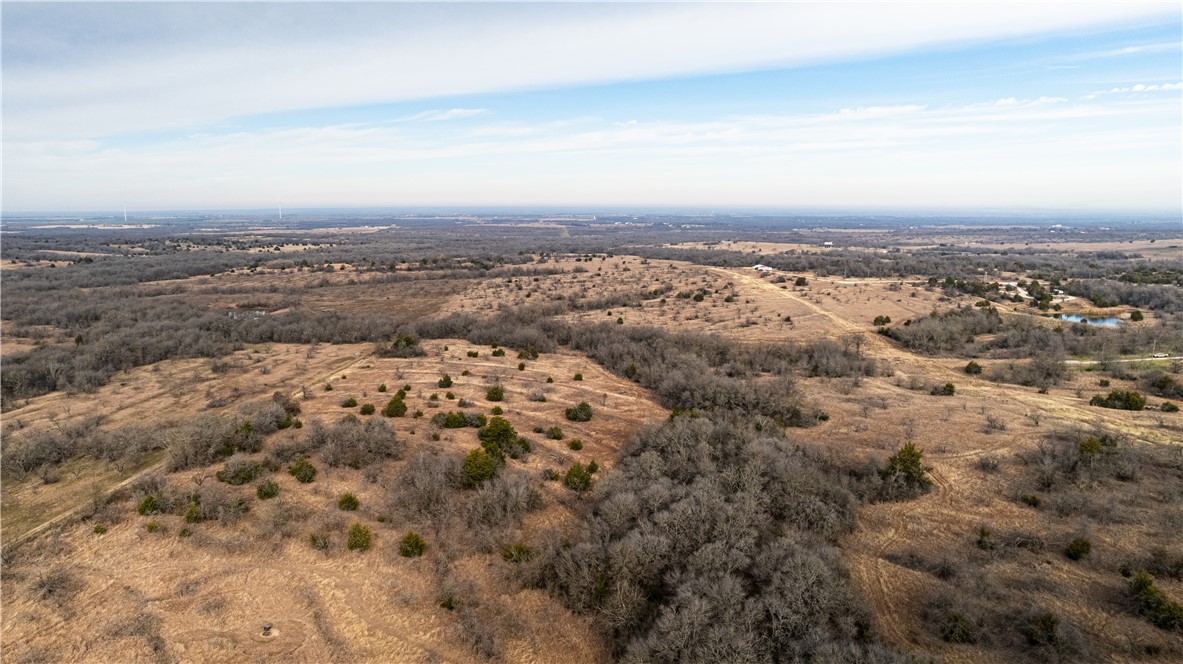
x,y
741,487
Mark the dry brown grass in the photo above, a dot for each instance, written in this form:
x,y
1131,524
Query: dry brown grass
x,y
171,391
9,264
207,601
204,598
208,594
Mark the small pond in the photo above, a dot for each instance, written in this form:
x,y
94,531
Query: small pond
x,y
1096,322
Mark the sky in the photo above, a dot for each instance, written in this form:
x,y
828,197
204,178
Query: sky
x,y
854,106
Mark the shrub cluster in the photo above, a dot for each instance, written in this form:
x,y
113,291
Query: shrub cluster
x,y
411,545
321,541
579,413
302,470
1164,385
946,390
267,489
1119,399
1078,548
500,439
458,420
1152,604
404,345
352,442
359,537
906,467
578,478
239,471
396,407
956,628
348,502
207,437
945,331
479,466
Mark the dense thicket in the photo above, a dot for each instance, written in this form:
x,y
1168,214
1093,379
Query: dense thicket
x,y
684,370
121,322
712,538
1108,293
946,331
134,333
981,332
709,542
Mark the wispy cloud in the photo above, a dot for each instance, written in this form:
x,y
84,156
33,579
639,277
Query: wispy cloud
x,y
1137,49
1137,88
95,70
193,105
450,114
1013,102
1005,146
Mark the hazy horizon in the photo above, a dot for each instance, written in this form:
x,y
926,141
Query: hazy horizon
x,y
1048,215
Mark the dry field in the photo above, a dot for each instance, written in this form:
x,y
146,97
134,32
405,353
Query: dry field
x,y
1158,249
1150,249
131,595
170,391
757,309
756,248
873,418
207,595
9,264
956,435
345,289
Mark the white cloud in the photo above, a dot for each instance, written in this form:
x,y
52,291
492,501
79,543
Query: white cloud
x,y
1131,50
1013,102
1140,87
157,67
1018,152
450,114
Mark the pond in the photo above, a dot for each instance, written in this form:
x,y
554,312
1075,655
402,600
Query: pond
x,y
1095,322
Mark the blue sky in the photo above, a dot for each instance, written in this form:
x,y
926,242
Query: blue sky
x,y
846,105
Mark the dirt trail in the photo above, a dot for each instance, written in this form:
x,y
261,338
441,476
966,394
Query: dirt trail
x,y
879,579
788,294
943,517
889,586
944,369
